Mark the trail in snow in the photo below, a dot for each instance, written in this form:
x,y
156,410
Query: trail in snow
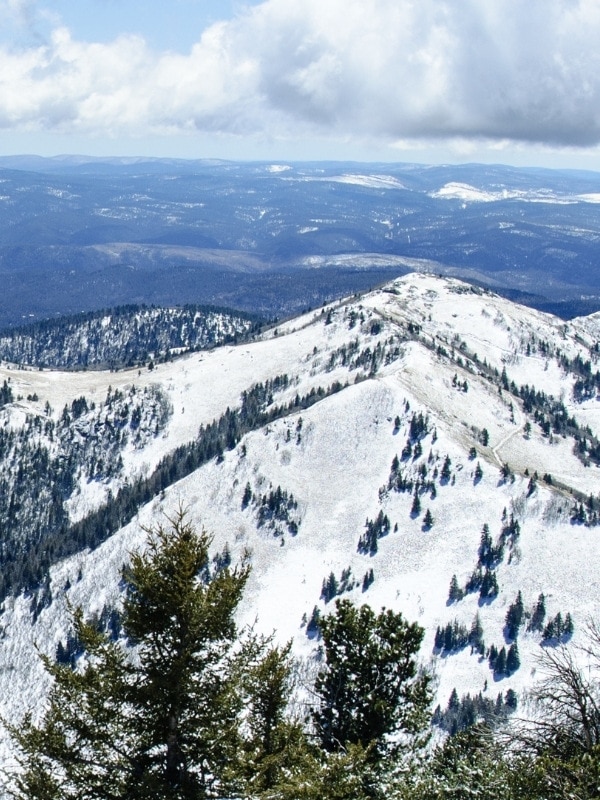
x,y
509,436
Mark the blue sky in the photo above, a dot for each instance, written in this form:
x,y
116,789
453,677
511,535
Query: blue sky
x,y
172,25
376,80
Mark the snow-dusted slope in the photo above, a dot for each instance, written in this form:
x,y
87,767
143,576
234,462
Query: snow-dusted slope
x,y
420,349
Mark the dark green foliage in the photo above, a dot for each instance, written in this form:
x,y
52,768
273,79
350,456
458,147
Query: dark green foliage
x,y
369,358
50,456
416,505
332,586
513,660
553,418
451,638
511,699
368,579
507,473
370,686
375,529
134,335
515,617
473,583
419,426
510,533
498,664
313,626
6,394
273,742
558,629
165,724
69,653
456,636
503,662
489,555
455,593
276,511
329,588
222,560
489,585
478,474
446,472
247,496
462,713
476,634
428,520
52,538
538,614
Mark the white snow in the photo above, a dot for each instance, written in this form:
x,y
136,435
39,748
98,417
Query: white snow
x,y
464,191
375,181
338,468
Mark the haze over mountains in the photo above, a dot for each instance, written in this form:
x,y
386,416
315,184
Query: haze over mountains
x,y
317,450
81,234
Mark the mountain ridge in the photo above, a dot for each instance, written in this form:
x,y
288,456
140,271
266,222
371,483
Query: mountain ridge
x,y
422,366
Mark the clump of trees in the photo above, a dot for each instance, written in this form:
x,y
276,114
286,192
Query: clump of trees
x,y
172,700
182,704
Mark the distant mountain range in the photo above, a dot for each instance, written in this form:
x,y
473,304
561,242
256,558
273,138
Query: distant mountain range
x,y
79,234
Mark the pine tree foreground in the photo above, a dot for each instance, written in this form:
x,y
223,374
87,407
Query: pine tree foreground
x,y
184,706
158,716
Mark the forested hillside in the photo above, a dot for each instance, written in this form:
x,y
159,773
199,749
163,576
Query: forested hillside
x,y
127,336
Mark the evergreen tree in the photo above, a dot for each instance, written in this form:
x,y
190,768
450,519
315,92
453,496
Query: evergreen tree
x,y
163,721
485,552
455,593
247,496
476,632
368,579
500,663
513,660
312,627
329,587
274,744
489,585
446,471
370,686
568,627
536,623
515,616
416,504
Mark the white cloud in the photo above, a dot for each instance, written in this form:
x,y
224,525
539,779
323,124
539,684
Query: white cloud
x,y
392,70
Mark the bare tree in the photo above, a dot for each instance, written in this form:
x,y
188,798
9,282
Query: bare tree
x,y
561,732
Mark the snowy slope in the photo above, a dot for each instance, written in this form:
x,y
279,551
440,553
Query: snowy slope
x,y
335,458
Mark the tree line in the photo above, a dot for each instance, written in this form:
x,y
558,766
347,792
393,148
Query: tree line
x,y
25,569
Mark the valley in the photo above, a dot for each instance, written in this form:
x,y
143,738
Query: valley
x,y
275,239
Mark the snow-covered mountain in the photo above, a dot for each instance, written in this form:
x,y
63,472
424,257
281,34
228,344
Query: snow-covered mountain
x,y
427,395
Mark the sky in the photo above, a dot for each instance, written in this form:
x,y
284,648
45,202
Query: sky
x,y
429,81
